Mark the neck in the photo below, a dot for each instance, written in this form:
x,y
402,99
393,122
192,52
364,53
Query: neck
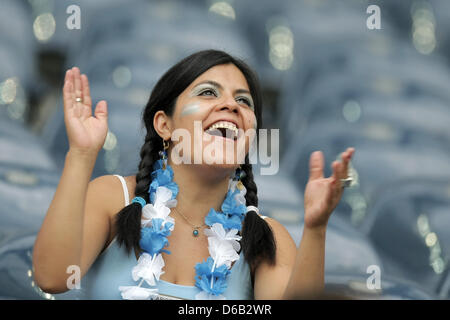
x,y
200,189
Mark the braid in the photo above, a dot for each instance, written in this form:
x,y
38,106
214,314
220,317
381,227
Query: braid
x,y
128,220
258,243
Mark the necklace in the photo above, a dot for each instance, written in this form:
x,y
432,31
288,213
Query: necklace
x,y
195,232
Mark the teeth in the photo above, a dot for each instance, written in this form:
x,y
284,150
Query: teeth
x,y
224,125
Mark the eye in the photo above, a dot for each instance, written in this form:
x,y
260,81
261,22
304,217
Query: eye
x,y
209,91
245,100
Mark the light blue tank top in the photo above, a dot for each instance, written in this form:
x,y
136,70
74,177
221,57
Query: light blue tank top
x,y
113,266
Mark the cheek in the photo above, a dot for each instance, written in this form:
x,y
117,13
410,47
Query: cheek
x,y
250,121
191,115
189,109
194,111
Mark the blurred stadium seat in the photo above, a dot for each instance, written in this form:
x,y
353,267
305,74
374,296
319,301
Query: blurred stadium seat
x,y
383,154
28,180
354,286
408,223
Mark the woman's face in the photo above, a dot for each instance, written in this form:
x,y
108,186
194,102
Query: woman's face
x,y
217,111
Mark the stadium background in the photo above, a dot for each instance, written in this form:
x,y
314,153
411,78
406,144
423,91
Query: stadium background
x,y
329,83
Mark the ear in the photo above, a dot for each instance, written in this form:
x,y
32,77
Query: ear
x,y
162,124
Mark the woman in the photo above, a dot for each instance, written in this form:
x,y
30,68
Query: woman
x,y
221,247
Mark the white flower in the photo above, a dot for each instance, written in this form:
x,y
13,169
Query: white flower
x,y
159,210
163,196
232,184
203,295
222,252
219,232
240,198
137,293
150,211
148,268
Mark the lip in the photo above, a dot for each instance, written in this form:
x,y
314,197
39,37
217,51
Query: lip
x,y
222,119
228,120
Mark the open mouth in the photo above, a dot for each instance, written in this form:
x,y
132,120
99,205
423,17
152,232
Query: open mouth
x,y
224,129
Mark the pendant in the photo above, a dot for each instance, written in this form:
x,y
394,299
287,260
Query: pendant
x,y
195,233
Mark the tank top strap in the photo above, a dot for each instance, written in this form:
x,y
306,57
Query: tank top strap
x,y
125,189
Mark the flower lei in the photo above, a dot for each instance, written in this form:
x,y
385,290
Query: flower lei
x,y
156,226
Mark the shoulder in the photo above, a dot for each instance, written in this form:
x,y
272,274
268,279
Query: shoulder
x,y
283,238
271,279
108,190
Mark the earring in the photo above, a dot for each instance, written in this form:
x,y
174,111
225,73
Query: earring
x,y
163,153
239,174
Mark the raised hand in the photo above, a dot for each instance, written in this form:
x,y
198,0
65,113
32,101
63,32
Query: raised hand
x,y
322,195
86,133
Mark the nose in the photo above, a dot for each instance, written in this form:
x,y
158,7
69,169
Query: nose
x,y
229,104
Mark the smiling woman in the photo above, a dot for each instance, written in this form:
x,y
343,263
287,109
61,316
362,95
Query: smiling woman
x,y
205,212
217,84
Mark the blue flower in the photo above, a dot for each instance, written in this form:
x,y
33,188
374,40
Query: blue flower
x,y
204,283
158,164
232,222
154,238
206,267
162,178
231,206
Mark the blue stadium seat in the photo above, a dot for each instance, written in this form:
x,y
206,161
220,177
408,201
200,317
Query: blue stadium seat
x,y
17,46
28,181
354,286
21,147
383,153
17,275
408,223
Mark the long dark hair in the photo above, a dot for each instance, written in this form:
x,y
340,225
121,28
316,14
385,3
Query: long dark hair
x,y
257,242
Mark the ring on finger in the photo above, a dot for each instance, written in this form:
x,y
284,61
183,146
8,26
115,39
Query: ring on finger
x,y
347,182
78,99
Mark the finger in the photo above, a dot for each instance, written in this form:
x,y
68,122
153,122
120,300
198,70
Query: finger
x,y
101,111
66,75
316,164
335,171
86,90
336,185
70,78
346,157
344,165
77,82
67,91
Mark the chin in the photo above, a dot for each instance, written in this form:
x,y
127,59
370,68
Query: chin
x,y
219,170
224,152
223,166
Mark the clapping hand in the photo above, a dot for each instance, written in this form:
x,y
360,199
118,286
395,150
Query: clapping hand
x,y
86,133
322,195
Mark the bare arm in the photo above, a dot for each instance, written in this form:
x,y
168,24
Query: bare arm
x,y
62,239
59,242
271,281
299,273
307,277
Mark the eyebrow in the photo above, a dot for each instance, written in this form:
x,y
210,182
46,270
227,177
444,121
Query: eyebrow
x,y
219,86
